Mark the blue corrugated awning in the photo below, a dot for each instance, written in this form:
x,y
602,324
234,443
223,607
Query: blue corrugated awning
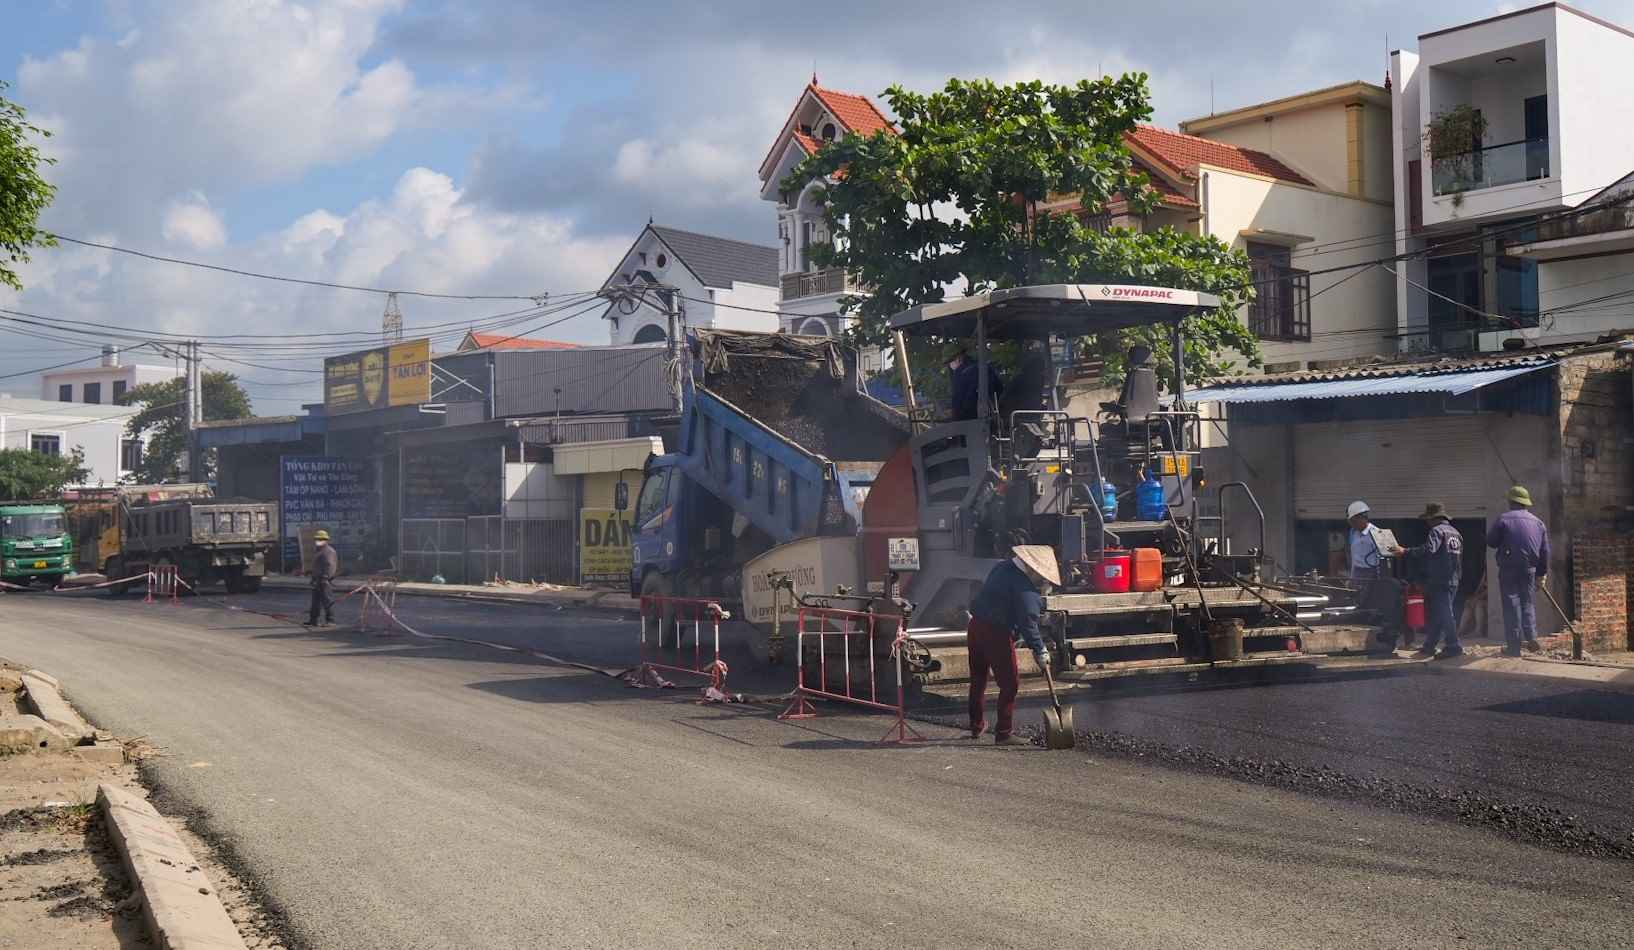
x,y
1453,384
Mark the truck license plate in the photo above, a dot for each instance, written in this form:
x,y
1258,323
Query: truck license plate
x,y
39,565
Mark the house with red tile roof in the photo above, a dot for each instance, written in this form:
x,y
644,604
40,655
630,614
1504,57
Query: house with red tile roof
x,y
502,341
1298,210
808,296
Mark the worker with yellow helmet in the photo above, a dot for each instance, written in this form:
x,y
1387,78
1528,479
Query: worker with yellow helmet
x,y
325,565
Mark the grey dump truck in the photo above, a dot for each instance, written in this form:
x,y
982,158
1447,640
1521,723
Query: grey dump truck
x,y
209,540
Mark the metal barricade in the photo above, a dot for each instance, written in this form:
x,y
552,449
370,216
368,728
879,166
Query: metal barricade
x,y
164,580
845,645
675,616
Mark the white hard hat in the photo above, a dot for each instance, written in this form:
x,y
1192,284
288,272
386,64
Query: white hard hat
x,y
1357,508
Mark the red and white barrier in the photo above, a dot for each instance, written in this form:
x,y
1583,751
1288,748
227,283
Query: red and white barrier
x,y
845,642
164,580
677,616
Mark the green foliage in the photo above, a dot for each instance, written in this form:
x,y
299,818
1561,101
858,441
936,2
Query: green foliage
x,y
1455,132
28,474
163,422
994,154
23,193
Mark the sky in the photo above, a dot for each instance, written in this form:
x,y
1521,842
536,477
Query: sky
x,y
514,148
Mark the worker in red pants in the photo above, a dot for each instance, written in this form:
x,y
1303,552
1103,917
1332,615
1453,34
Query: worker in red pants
x,y
1007,609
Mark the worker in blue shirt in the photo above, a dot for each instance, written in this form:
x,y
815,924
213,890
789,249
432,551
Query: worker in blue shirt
x,y
1443,555
1007,608
964,384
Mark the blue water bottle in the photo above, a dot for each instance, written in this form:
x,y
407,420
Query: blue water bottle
x,y
1150,504
1109,501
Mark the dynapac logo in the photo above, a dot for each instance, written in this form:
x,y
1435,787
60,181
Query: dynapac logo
x,y
1141,293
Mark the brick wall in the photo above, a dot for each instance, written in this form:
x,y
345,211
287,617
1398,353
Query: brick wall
x,y
1595,494
1600,589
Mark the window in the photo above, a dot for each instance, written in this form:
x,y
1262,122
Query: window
x,y
130,454
829,132
65,392
651,333
93,393
1282,303
654,496
807,236
119,387
46,444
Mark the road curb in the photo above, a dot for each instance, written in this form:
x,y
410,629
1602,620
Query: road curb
x,y
1620,679
44,694
597,600
179,904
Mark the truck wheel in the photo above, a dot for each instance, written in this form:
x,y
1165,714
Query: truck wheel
x,y
657,585
114,569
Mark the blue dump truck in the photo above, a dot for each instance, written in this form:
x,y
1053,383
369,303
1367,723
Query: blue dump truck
x,y
779,441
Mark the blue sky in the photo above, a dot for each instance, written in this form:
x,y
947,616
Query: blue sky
x,y
516,146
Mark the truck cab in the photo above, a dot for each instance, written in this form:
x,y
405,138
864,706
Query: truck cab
x,y
34,543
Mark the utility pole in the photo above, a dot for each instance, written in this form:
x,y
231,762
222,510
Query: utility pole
x,y
677,320
195,412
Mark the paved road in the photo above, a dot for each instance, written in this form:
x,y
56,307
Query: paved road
x,y
397,793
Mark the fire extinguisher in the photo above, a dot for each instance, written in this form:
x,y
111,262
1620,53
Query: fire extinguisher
x,y
1414,614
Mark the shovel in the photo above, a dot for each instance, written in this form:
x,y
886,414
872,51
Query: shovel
x,y
1577,638
1058,732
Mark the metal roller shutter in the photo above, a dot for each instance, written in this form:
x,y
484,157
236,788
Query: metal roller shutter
x,y
1394,465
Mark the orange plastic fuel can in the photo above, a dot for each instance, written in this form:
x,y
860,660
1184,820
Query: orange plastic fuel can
x,y
1147,569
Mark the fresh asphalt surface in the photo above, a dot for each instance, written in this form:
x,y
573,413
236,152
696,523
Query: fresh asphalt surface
x,y
393,792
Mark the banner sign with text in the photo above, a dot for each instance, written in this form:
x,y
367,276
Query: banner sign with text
x,y
335,494
604,546
396,375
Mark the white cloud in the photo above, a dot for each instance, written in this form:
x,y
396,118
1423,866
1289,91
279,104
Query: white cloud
x,y
191,221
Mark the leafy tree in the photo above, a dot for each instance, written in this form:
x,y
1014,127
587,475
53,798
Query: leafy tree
x,y
23,193
29,474
163,422
954,199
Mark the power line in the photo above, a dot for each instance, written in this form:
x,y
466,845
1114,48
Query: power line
x,y
536,298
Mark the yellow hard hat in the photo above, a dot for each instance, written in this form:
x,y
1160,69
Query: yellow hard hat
x,y
322,535
1520,496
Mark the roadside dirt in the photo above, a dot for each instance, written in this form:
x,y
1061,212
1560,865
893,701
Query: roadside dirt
x,y
62,884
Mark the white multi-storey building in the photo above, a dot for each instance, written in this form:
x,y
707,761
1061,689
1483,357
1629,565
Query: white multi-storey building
x,y
808,296
719,283
101,385
1551,92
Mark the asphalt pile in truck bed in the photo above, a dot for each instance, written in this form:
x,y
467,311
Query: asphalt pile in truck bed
x,y
799,390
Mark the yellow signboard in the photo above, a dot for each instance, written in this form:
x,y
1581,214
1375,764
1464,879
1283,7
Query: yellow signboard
x,y
604,546
1168,462
397,375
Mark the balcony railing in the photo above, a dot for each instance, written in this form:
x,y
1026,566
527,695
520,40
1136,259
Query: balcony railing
x,y
816,283
1281,309
1506,164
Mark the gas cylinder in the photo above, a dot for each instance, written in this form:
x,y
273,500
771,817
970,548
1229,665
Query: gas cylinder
x,y
1413,616
1150,503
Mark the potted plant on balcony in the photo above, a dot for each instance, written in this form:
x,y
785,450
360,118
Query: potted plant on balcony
x,y
1453,139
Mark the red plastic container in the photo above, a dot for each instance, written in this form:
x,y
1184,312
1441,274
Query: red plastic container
x,y
1113,573
1415,608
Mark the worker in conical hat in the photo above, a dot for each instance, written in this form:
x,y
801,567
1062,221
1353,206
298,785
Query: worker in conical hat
x,y
1007,609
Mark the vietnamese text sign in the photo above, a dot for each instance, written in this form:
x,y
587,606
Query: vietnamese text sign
x,y
604,546
335,494
396,375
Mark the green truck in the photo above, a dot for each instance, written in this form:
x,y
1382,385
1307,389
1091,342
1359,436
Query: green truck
x,y
34,543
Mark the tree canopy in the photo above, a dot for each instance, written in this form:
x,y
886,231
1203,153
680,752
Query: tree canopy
x,y
28,474
163,421
24,195
954,200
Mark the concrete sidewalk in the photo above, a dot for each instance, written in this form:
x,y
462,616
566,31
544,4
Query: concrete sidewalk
x,y
519,594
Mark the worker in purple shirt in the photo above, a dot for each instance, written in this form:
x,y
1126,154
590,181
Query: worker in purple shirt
x,y
1520,542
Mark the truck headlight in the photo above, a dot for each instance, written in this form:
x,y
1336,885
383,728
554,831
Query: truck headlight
x,y
10,564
